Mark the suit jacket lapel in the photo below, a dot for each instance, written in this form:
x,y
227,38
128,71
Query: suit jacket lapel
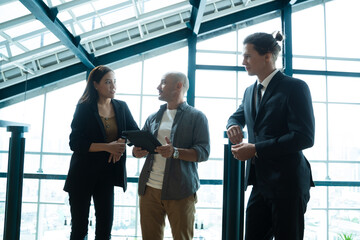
x,y
270,89
253,104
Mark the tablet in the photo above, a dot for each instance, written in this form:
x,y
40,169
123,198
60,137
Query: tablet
x,y
143,139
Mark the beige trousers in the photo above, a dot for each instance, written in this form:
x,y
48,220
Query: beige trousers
x,y
181,215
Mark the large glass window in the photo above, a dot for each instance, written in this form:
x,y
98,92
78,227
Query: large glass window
x,y
323,39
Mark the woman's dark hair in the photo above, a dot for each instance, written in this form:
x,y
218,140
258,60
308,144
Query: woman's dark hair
x,y
265,43
90,94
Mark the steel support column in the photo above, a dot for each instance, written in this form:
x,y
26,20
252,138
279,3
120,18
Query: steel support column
x,y
14,182
192,40
287,46
233,196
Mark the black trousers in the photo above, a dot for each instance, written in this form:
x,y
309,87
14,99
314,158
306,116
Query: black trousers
x,y
103,197
282,218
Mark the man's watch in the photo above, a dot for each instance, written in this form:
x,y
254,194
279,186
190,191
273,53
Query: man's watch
x,y
176,153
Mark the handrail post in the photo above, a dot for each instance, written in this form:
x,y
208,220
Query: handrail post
x,y
233,196
14,182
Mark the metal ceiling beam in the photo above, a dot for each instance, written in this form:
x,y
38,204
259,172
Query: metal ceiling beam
x,y
197,12
39,82
53,77
63,7
240,16
180,35
48,17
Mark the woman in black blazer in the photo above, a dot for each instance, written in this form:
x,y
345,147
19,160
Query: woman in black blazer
x,y
99,154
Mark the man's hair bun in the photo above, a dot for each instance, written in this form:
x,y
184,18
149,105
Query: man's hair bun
x,y
278,36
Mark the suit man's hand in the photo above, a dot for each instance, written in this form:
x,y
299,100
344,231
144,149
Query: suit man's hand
x,y
235,134
243,151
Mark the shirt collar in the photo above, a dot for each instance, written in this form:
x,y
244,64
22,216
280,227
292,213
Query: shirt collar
x,y
267,80
182,106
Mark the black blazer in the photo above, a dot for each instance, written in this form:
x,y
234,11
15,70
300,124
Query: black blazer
x,y
283,127
86,168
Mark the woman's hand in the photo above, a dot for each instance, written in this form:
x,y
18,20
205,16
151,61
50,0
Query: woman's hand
x,y
116,150
114,158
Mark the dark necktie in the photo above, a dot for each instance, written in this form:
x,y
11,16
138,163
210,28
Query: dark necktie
x,y
258,96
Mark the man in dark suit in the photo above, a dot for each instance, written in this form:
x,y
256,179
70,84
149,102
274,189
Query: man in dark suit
x,y
278,113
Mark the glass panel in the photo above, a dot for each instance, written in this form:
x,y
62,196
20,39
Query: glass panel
x,y
244,82
63,109
225,42
49,38
52,191
319,150
222,59
338,16
55,164
156,67
31,163
343,66
29,112
134,105
215,84
24,28
32,43
345,197
28,221
133,165
343,124
268,27
315,225
3,183
317,85
308,32
4,159
153,5
128,79
344,172
318,198
150,105
52,224
4,138
21,10
211,107
344,222
129,198
319,170
308,63
209,196
344,89
30,190
211,169
124,222
2,218
207,223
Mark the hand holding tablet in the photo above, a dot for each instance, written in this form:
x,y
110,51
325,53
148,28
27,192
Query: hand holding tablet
x,y
143,139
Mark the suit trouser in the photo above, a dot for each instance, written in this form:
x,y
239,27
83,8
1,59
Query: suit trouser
x,y
282,218
181,215
103,196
